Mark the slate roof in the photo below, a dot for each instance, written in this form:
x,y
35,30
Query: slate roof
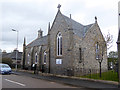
x,y
12,55
78,28
39,41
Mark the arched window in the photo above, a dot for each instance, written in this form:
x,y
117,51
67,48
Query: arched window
x,y
45,57
36,57
97,51
59,44
28,58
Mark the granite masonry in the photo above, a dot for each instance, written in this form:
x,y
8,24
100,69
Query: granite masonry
x,y
69,48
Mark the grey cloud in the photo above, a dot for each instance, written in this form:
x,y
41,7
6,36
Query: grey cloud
x,y
29,11
29,17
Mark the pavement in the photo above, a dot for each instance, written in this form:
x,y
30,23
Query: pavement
x,y
75,81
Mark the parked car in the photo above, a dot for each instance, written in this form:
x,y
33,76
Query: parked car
x,y
5,69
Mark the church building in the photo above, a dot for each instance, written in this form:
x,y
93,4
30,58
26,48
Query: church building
x,y
69,48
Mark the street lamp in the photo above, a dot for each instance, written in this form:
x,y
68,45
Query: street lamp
x,y
16,47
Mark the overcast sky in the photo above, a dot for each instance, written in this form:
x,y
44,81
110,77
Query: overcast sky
x,y
28,16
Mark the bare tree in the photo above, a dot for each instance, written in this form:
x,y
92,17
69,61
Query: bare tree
x,y
101,52
109,40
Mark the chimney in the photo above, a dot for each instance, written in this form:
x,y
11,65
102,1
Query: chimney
x,y
40,33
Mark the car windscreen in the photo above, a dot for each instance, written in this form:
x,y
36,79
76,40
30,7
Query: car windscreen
x,y
4,66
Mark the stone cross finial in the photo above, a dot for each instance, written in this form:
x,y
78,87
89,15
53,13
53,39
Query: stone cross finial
x,y
58,6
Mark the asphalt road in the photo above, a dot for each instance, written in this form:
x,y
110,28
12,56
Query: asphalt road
x,y
16,81
26,81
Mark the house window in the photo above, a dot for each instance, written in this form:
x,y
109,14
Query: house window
x,y
97,51
45,57
59,44
36,57
28,58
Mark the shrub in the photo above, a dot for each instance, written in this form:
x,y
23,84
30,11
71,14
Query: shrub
x,y
7,61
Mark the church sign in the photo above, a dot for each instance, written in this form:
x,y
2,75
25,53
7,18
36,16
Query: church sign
x,y
58,61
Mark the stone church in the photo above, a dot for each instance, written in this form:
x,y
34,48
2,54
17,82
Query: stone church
x,y
69,48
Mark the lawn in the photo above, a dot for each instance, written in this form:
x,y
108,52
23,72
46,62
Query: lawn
x,y
110,75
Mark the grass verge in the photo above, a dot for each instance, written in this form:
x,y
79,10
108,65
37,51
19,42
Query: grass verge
x,y
110,76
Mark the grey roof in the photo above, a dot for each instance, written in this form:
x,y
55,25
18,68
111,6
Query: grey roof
x,y
39,41
78,28
12,55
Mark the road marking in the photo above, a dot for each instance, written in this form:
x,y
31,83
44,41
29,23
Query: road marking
x,y
15,82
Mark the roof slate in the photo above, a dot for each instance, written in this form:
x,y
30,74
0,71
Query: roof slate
x,y
78,29
39,41
12,55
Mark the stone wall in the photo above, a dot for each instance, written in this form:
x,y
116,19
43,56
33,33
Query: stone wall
x,y
59,25
40,51
87,44
71,44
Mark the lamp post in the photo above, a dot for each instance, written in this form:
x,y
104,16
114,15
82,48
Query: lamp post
x,y
16,47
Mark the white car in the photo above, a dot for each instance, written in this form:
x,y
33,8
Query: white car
x,y
5,69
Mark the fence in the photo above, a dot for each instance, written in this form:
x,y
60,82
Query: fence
x,y
111,75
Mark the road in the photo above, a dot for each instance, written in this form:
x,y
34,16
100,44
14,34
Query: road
x,y
28,81
16,81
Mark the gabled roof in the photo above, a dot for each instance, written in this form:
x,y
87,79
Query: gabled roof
x,y
12,55
78,28
39,41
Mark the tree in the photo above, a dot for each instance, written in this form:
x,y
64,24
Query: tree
x,y
113,54
113,60
102,49
7,61
109,40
